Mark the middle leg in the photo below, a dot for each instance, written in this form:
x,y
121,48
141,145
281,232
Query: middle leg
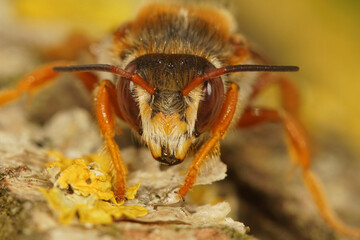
x,y
41,77
298,144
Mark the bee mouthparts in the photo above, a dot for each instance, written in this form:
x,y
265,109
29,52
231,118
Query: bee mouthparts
x,y
169,160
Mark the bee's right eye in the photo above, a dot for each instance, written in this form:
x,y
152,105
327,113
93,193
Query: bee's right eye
x,y
210,105
128,104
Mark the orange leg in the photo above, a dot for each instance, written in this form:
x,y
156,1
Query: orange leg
x,y
40,78
105,106
299,145
218,132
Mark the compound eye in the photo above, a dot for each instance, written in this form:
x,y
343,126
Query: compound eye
x,y
210,105
128,105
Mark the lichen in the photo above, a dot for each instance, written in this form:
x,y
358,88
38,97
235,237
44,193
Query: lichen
x,y
83,188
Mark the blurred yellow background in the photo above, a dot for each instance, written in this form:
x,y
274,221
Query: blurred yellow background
x,y
322,37
95,17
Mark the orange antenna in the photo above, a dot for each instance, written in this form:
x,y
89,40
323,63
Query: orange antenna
x,y
108,68
217,72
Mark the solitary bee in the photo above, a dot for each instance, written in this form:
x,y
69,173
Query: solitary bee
x,y
182,77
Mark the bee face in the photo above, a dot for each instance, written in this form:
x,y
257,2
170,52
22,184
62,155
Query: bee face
x,y
168,122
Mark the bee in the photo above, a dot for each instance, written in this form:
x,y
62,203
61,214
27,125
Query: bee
x,y
181,77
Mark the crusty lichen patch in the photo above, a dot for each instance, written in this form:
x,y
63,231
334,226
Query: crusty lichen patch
x,y
83,188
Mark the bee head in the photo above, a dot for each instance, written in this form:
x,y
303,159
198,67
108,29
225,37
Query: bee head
x,y
168,121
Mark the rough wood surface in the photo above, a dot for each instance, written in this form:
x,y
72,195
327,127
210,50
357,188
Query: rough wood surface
x,y
257,187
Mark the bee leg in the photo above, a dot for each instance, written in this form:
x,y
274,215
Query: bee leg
x,y
106,105
39,78
220,127
298,145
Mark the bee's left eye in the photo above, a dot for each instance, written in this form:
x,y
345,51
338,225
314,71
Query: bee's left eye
x,y
128,105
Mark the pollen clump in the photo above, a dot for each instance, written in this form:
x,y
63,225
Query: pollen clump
x,y
83,188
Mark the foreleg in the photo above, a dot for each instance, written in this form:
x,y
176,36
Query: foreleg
x,y
220,127
106,105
